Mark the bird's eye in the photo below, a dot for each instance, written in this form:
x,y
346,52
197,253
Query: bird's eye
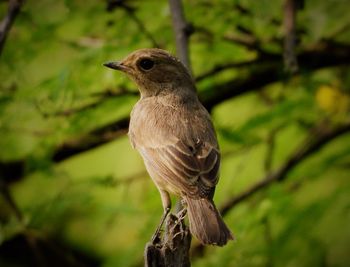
x,y
146,64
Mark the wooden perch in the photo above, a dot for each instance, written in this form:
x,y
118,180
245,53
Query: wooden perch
x,y
172,250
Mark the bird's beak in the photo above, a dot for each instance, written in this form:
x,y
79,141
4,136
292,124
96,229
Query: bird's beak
x,y
116,65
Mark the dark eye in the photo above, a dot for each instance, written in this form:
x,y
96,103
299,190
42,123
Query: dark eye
x,y
146,64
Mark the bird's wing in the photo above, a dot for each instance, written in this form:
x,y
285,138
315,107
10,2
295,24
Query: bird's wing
x,y
180,152
184,169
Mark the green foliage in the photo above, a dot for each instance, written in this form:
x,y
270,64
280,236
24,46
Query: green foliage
x,y
54,93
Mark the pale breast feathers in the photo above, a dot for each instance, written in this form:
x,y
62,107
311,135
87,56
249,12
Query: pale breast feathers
x,y
186,149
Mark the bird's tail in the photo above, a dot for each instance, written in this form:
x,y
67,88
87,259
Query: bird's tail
x,y
206,223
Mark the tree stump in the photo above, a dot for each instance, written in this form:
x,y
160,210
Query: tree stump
x,y
172,248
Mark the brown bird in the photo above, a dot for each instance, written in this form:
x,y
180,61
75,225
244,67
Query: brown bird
x,y
174,134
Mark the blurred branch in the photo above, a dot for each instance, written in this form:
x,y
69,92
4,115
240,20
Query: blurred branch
x,y
269,70
319,137
113,4
14,8
182,31
247,40
34,248
256,80
101,98
112,181
290,59
341,30
12,170
250,41
324,54
246,12
4,190
242,9
40,249
142,27
222,67
271,143
312,53
269,241
33,244
91,140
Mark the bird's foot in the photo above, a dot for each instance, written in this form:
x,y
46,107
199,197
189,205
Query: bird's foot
x,y
156,236
181,214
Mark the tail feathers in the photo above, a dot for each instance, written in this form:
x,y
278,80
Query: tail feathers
x,y
206,223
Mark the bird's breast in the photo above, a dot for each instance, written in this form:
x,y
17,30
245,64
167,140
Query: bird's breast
x,y
155,122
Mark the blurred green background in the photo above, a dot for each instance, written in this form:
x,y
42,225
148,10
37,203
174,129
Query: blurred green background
x,y
74,192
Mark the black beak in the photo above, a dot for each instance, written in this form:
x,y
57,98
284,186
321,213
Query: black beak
x,y
116,65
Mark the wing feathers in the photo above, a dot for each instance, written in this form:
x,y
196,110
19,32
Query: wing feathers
x,y
193,171
187,160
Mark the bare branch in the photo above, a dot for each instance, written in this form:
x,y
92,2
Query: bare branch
x,y
126,181
91,140
318,138
4,190
250,42
307,148
221,67
182,30
113,4
246,40
324,54
256,80
290,60
345,28
102,97
142,27
246,12
14,8
271,143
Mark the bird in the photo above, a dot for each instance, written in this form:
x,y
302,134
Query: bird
x,y
175,136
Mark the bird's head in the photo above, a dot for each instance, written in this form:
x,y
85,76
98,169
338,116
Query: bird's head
x,y
155,72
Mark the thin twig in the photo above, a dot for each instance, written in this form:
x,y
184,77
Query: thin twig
x,y
222,67
246,12
14,8
290,59
271,144
343,29
123,4
142,27
33,244
246,40
102,97
307,148
126,181
93,139
182,30
4,190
